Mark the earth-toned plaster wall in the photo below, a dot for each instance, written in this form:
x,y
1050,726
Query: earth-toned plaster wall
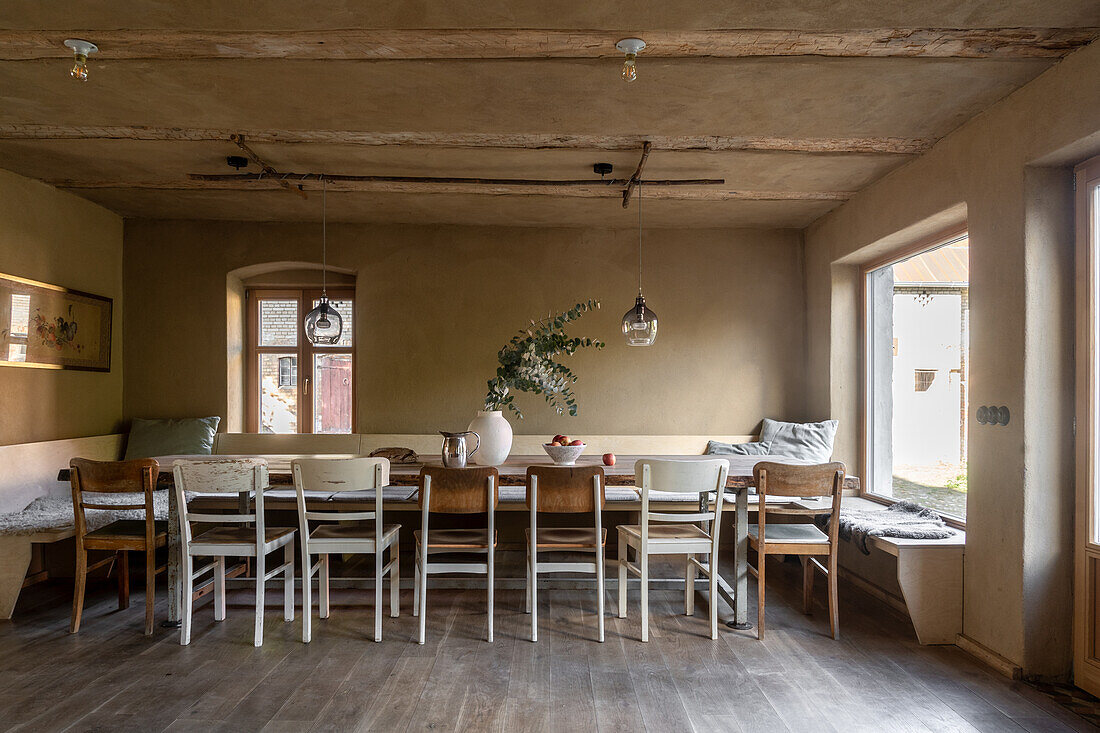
x,y
435,304
58,238
1007,174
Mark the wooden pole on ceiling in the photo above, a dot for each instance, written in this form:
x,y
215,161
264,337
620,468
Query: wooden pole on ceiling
x,y
267,169
637,174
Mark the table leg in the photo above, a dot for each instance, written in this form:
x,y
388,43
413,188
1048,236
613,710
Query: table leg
x,y
174,610
741,564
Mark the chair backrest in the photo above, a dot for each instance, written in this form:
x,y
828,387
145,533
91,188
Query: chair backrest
x,y
566,489
339,474
786,479
240,476
700,477
112,477
458,490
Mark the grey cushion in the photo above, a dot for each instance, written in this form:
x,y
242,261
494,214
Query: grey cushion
x,y
715,448
171,437
810,442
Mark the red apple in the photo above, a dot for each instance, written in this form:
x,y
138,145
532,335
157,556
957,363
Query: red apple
x,y
577,442
563,439
556,444
609,459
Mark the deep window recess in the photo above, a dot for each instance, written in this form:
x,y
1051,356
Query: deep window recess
x,y
295,386
916,359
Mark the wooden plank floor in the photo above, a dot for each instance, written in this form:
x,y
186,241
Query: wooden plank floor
x,y
876,678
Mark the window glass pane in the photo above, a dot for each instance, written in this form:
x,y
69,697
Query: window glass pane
x,y
344,308
332,393
279,322
918,336
278,400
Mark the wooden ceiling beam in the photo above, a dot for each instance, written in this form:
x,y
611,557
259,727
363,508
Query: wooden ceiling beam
x,y
670,190
268,170
503,43
518,141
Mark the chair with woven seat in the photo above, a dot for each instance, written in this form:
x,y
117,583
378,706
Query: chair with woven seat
x,y
455,491
804,540
565,490
339,475
688,533
120,537
245,477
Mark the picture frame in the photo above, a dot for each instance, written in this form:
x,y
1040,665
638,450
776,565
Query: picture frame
x,y
47,326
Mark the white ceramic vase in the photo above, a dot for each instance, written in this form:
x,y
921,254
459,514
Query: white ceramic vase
x,y
496,438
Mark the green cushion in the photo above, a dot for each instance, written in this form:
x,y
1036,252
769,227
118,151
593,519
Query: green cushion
x,y
171,437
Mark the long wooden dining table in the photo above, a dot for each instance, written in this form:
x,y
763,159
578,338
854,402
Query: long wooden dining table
x,y
400,495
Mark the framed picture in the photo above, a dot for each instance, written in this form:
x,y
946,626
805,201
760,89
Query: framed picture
x,y
50,327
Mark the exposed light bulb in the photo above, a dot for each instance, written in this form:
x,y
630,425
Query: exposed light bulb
x,y
80,68
81,49
630,69
630,47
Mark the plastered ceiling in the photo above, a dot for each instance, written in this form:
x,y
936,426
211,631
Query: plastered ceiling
x,y
792,135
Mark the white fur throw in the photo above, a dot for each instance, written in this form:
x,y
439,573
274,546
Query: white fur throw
x,y
46,513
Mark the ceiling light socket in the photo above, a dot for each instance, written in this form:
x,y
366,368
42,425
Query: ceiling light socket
x,y
236,161
602,169
630,45
81,48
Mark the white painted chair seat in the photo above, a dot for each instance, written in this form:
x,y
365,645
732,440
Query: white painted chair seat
x,y
666,533
803,533
274,538
567,537
351,533
457,538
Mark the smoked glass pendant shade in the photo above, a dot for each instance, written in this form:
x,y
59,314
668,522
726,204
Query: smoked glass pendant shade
x,y
640,324
323,324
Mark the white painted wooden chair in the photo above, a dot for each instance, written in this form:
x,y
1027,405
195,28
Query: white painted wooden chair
x,y
455,491
338,475
236,476
676,533
565,490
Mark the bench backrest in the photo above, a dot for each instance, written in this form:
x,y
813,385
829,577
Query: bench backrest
x,y
29,470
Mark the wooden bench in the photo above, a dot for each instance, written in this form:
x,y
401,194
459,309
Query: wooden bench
x,y
920,578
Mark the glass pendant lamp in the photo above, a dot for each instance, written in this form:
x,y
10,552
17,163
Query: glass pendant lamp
x,y
323,324
640,323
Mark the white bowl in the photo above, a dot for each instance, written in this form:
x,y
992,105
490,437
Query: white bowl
x,y
564,455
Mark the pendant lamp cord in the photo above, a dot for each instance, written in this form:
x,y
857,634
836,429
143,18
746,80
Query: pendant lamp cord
x,y
639,238
324,238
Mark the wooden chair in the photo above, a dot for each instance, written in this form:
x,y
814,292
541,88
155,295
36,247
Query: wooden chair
x,y
678,533
565,490
335,475
804,540
121,536
240,476
455,491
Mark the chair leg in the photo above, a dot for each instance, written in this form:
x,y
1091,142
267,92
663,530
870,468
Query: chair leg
x,y
150,588
378,556
219,589
533,590
261,571
395,580
188,593
643,562
807,585
123,579
527,589
307,595
600,570
78,589
622,576
834,610
492,569
416,581
422,570
288,582
760,594
689,586
322,586
712,565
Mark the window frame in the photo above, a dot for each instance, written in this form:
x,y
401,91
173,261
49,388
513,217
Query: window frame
x,y
942,238
304,351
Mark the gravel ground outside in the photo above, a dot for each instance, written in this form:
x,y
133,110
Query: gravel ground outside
x,y
928,486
